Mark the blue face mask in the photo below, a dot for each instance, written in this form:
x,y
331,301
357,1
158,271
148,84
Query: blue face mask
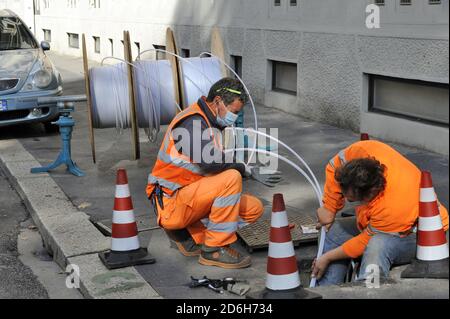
x,y
229,119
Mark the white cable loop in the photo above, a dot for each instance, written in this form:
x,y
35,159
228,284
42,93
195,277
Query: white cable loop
x,y
317,191
284,159
155,105
316,182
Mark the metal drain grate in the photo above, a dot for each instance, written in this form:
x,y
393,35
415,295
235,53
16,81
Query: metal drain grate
x,y
256,236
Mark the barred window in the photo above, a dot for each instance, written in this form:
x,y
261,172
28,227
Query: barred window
x,y
97,44
284,77
74,41
47,35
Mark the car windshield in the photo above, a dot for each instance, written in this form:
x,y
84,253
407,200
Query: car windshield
x,y
14,35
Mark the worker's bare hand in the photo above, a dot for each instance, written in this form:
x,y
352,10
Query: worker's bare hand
x,y
319,267
325,218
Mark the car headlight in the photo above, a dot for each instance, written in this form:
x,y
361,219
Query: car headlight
x,y
42,79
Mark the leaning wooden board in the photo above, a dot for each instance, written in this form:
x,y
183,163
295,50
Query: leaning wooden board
x,y
88,97
171,46
132,96
218,49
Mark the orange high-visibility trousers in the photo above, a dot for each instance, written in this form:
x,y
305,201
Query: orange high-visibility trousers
x,y
212,209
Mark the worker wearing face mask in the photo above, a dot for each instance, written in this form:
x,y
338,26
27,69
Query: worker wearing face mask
x,y
196,188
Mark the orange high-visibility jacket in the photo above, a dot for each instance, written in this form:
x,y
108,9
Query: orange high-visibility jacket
x,y
172,169
396,210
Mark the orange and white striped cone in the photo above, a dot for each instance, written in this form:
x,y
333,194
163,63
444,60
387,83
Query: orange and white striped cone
x,y
283,279
125,248
365,137
432,247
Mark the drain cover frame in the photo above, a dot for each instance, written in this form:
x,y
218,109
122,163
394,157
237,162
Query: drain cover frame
x,y
256,236
144,224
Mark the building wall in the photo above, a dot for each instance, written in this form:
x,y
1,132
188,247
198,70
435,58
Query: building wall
x,y
328,40
24,8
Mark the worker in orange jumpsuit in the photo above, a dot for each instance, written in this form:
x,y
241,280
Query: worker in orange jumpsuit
x,y
199,196
386,185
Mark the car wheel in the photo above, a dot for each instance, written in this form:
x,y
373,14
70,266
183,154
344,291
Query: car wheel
x,y
50,128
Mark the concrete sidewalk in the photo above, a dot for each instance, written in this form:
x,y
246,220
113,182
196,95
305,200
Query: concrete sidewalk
x,y
93,195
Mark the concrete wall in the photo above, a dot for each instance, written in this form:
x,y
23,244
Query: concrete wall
x,y
328,39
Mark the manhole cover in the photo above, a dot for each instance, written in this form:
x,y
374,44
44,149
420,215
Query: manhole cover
x,y
256,236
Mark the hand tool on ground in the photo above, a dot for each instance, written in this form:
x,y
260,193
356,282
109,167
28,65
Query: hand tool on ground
x,y
237,287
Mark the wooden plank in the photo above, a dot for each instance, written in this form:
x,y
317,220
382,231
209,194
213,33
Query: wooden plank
x,y
132,95
218,49
171,46
87,81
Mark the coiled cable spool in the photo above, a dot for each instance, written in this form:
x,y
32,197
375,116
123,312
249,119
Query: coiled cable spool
x,y
155,98
155,101
109,97
197,77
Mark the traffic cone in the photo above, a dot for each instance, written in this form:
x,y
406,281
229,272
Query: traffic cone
x,y
125,248
365,137
283,280
432,247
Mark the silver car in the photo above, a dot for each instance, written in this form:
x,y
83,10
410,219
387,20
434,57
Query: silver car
x,y
26,74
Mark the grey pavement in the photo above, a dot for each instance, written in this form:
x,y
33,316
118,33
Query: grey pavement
x,y
94,194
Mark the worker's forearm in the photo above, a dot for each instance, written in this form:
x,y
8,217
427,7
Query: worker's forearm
x,y
336,254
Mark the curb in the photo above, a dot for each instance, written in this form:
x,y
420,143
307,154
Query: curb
x,y
67,233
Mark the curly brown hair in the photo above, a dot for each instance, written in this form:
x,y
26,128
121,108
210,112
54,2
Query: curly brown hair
x,y
363,177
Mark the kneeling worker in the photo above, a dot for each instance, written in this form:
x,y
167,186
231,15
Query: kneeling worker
x,y
200,197
387,187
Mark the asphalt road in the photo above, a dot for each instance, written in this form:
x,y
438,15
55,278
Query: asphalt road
x,y
17,281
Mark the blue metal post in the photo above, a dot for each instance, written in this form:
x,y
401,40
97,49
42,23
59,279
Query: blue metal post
x,y
66,124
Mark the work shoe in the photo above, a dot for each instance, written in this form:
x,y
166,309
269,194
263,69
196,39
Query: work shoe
x,y
224,257
188,247
184,242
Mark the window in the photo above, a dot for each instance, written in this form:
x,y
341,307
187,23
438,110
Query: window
x,y
434,1
96,44
284,77
185,53
74,41
293,3
47,35
379,2
138,47
95,4
405,2
37,7
111,42
237,64
277,3
160,55
412,99
71,4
